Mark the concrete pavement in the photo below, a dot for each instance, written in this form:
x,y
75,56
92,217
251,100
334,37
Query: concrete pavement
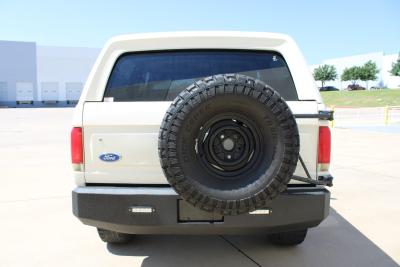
x,y
38,228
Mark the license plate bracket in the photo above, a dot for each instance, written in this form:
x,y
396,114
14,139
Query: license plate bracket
x,y
188,213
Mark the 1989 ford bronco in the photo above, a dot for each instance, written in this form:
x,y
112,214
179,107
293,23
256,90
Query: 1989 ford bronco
x,y
201,133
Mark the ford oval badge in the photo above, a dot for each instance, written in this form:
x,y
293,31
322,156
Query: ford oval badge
x,y
109,157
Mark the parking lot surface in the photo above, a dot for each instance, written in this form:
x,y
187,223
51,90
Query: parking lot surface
x,y
38,228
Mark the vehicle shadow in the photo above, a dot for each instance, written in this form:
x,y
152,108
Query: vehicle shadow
x,y
335,242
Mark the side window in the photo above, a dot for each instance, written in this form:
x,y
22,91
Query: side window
x,y
161,76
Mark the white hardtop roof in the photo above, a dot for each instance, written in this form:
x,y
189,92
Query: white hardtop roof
x,y
280,43
201,34
198,39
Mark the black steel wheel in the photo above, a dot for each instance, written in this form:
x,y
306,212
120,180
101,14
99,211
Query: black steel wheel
x,y
228,145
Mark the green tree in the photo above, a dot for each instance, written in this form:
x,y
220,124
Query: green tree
x,y
325,73
368,72
395,71
351,74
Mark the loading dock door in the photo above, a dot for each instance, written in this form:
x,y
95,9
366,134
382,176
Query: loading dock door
x,y
24,92
73,91
3,91
49,91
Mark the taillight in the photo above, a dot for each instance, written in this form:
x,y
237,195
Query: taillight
x,y
76,145
324,147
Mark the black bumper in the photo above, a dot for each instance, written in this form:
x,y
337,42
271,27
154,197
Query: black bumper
x,y
111,208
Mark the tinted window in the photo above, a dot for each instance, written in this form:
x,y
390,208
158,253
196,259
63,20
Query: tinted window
x,y
160,76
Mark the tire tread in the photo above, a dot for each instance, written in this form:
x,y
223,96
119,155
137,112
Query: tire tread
x,y
198,93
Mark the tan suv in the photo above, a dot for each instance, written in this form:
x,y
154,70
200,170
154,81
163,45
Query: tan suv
x,y
201,133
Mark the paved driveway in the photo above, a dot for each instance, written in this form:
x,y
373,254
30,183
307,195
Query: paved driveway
x,y
38,228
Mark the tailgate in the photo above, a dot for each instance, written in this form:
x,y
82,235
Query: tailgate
x,y
127,134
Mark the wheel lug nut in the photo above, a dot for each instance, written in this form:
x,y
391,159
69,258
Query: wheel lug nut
x,y
229,156
222,136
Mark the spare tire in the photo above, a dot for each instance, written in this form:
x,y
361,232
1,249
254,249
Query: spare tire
x,y
228,144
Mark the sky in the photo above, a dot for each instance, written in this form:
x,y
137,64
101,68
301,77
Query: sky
x,y
322,29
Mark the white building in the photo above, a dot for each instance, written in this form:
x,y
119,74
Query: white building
x,y
62,72
34,76
383,62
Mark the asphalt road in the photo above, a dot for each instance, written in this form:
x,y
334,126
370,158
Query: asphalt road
x,y
38,228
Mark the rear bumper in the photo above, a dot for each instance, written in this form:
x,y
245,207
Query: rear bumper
x,y
111,208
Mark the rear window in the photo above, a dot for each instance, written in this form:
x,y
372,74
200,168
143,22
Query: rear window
x,y
161,76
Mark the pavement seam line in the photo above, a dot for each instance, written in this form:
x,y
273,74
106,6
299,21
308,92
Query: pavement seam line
x,y
240,251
